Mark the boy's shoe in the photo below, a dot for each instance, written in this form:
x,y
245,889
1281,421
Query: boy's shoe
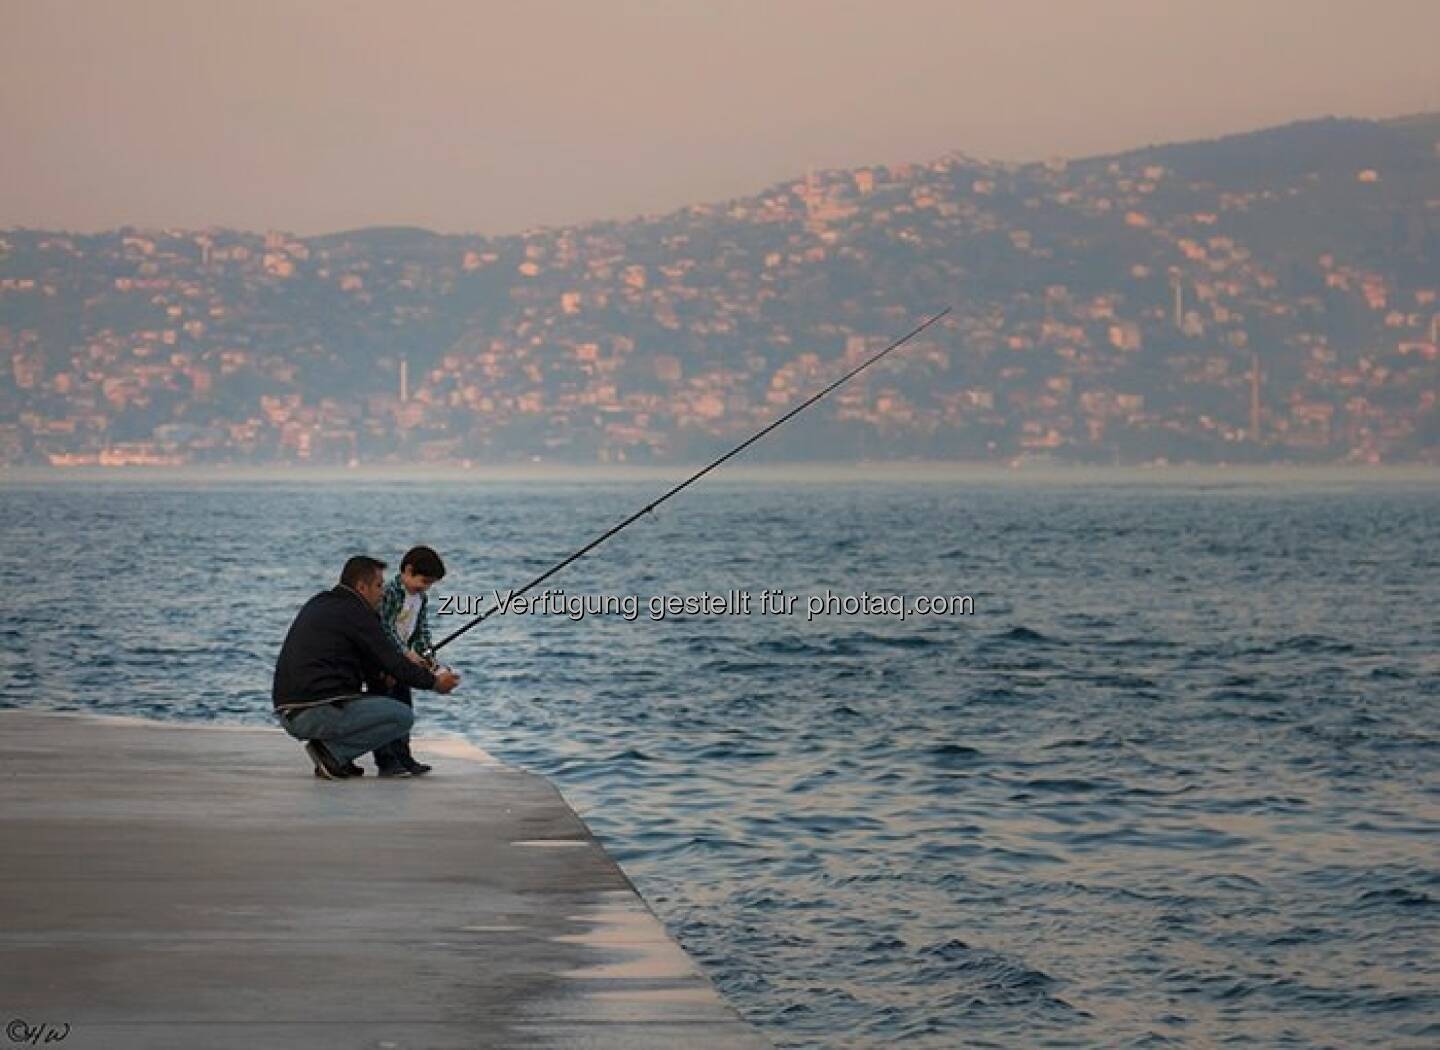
x,y
326,764
408,761
392,771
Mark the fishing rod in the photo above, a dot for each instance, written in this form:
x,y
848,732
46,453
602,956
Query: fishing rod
x,y
686,483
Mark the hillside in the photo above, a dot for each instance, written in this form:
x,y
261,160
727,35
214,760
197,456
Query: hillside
x,y
1267,296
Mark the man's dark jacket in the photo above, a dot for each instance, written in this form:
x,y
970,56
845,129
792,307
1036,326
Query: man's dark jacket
x,y
335,646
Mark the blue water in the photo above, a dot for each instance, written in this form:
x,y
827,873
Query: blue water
x,y
1174,782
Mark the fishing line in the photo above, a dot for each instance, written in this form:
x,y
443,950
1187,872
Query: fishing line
x,y
686,483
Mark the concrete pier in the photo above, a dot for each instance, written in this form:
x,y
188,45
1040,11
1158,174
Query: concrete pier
x,y
186,886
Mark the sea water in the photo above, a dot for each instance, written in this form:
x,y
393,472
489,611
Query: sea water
x,y
1168,777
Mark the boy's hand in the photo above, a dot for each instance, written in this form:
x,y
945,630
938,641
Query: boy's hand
x,y
446,680
416,658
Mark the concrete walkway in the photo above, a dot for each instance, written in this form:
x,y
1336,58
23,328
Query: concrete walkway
x,y
188,886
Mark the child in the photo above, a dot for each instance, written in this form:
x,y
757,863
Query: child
x,y
402,611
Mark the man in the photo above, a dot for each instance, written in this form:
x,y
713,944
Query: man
x,y
335,645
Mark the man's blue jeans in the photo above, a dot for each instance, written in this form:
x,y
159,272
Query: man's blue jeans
x,y
351,725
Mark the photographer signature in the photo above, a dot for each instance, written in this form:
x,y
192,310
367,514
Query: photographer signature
x,y
18,1031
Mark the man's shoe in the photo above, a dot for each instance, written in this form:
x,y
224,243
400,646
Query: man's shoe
x,y
326,764
392,771
351,770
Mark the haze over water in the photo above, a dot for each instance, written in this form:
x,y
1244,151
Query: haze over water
x,y
1173,783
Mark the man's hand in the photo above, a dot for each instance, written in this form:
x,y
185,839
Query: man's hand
x,y
416,658
446,680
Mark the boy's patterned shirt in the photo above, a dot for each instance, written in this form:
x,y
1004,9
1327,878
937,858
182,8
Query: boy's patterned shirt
x,y
391,602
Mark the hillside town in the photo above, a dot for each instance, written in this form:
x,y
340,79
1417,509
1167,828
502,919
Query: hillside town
x,y
1156,307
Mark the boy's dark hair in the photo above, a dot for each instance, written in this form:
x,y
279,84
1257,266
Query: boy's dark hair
x,y
423,561
359,568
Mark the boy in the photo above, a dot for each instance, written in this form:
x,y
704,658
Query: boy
x,y
402,611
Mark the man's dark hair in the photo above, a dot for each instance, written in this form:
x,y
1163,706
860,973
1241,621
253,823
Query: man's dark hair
x,y
423,561
360,568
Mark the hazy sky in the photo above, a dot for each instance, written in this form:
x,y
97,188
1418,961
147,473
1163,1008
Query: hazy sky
x,y
493,117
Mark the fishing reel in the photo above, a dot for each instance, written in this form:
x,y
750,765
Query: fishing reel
x,y
436,667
